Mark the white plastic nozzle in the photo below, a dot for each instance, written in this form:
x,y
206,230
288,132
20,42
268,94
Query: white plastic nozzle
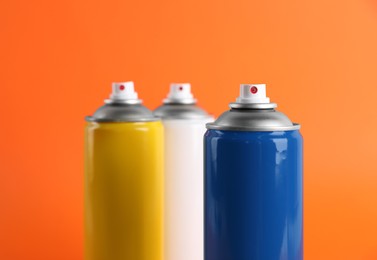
x,y
180,93
253,94
123,91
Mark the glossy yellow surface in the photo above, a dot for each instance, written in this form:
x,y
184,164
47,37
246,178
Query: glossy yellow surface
x,y
124,191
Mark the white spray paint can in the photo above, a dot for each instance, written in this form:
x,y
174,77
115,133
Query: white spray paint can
x,y
184,124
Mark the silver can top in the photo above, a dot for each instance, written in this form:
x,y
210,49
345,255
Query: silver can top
x,y
253,111
180,104
122,106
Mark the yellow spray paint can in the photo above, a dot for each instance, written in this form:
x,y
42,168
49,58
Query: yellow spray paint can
x,y
123,180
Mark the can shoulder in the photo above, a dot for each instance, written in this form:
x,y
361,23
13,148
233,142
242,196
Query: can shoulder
x,y
180,111
256,120
122,113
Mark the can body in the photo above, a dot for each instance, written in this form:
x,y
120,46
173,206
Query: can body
x,y
184,188
124,191
253,195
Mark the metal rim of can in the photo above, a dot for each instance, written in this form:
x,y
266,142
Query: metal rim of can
x,y
188,101
129,102
253,106
213,126
92,119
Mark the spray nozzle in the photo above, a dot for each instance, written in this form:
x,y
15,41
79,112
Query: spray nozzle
x,y
123,91
180,93
253,94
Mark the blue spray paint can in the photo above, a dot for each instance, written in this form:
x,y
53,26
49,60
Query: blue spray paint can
x,y
253,182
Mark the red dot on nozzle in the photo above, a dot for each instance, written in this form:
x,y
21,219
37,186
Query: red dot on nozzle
x,y
253,89
180,88
121,87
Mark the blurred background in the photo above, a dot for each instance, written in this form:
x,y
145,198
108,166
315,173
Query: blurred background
x,y
58,59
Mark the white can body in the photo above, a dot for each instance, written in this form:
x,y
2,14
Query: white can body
x,y
184,188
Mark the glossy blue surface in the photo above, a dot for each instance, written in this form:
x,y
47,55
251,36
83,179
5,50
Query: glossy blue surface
x,y
253,195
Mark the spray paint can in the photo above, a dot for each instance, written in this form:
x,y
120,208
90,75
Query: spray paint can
x,y
184,124
253,182
123,180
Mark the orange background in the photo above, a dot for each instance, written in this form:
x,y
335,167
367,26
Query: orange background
x,y
319,59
